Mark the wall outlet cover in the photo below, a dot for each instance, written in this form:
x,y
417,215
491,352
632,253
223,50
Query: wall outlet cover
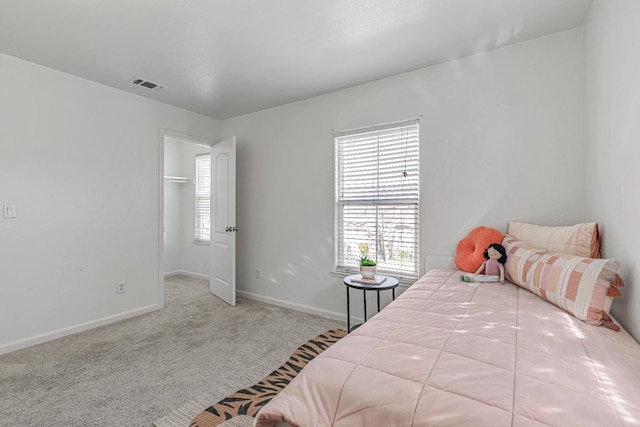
x,y
9,211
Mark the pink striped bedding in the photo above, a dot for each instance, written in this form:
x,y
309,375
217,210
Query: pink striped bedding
x,y
448,353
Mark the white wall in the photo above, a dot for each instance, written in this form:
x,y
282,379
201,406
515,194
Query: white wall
x,y
81,162
612,117
501,139
173,206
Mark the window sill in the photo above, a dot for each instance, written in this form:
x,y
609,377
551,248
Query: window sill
x,y
201,243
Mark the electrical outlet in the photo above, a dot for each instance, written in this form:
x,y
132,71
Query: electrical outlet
x,y
258,273
121,287
9,211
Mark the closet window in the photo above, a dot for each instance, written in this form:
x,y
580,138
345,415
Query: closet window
x,y
377,198
203,198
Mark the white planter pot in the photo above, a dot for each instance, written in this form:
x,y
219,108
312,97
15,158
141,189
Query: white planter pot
x,y
368,272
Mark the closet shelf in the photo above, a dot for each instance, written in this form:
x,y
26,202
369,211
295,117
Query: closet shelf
x,y
179,179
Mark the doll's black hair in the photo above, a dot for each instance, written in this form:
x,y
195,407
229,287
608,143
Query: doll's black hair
x,y
498,247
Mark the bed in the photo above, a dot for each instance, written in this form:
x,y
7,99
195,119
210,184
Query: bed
x,y
450,353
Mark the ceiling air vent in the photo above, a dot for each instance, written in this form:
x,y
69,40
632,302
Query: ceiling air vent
x,y
138,81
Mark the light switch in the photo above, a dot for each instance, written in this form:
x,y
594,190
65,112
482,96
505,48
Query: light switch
x,y
9,211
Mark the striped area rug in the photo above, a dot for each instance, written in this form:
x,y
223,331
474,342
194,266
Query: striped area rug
x,y
247,402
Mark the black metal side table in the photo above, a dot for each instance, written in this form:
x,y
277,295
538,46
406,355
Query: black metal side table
x,y
388,283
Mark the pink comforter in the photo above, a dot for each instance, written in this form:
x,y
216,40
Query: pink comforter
x,y
447,353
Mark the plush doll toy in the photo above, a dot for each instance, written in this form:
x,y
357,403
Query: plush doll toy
x,y
493,267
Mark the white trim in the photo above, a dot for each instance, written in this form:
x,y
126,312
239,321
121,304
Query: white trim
x,y
294,306
275,301
288,304
50,336
162,135
172,273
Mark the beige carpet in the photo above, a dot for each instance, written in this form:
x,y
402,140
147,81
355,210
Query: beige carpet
x,y
192,353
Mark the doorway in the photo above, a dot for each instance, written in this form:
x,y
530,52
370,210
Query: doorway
x,y
183,215
186,208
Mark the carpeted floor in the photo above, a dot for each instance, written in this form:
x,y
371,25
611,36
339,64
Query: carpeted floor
x,y
153,368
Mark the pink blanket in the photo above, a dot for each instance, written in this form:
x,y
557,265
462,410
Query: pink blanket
x,y
447,353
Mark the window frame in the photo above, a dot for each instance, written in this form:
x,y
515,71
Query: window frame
x,y
403,198
202,199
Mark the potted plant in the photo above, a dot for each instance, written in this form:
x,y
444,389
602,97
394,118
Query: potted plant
x,y
367,268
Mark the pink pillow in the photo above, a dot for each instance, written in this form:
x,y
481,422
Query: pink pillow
x,y
580,239
470,250
580,286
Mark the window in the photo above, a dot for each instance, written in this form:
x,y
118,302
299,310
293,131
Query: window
x,y
203,197
378,198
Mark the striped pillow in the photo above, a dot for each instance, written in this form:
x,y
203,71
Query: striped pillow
x,y
576,284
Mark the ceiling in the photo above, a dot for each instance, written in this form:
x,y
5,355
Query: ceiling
x,y
224,58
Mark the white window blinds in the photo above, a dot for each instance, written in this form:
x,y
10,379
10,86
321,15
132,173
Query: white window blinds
x,y
378,198
203,197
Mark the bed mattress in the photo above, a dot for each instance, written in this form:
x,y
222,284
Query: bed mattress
x,y
449,353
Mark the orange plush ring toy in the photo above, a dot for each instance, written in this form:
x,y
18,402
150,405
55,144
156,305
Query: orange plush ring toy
x,y
470,250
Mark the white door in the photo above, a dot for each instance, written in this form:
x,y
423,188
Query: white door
x,y
222,282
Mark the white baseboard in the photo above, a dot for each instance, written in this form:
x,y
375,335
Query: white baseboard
x,y
172,273
50,336
186,273
275,301
294,306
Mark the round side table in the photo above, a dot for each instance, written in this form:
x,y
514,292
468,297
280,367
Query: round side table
x,y
388,283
